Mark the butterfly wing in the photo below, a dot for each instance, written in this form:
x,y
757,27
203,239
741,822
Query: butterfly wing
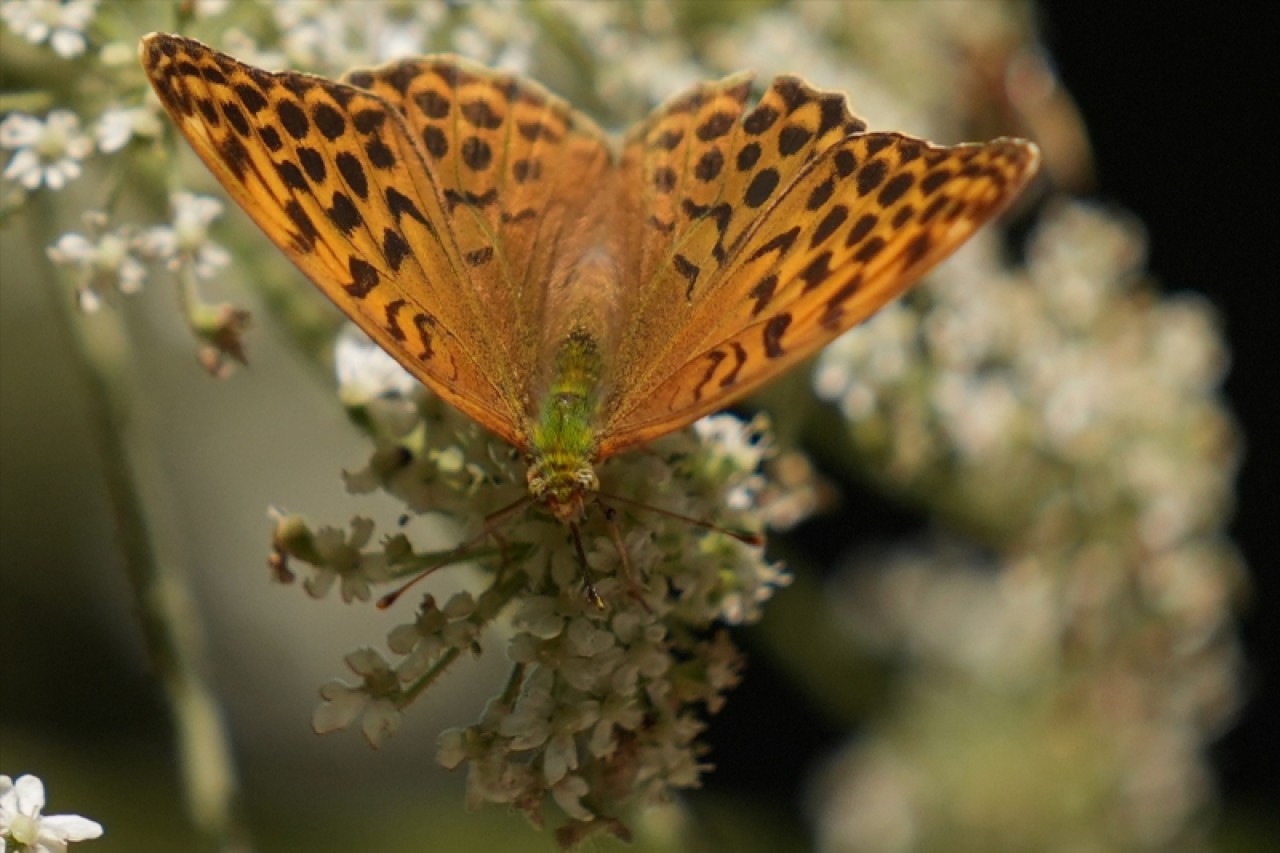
x,y
333,175
782,251
519,169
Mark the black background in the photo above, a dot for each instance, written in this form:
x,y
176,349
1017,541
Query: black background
x,y
1179,100
1176,103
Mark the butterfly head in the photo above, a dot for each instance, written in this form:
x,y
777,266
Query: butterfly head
x,y
561,484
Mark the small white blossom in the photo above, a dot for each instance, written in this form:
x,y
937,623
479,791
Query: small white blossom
x,y
366,375
62,24
23,829
210,8
341,559
373,697
45,152
186,241
568,794
118,125
104,260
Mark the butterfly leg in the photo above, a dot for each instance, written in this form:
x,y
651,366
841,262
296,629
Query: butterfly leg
x,y
611,524
588,588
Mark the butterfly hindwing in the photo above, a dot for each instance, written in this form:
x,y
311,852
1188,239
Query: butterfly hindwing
x,y
517,168
332,175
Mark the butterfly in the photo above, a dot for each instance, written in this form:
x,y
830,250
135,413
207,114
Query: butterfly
x,y
575,296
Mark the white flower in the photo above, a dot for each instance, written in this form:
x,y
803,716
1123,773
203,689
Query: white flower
x,y
62,24
47,152
366,373
342,559
104,259
23,828
374,697
118,125
186,241
211,8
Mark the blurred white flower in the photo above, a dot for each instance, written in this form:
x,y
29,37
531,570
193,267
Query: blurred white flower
x,y
24,830
118,125
61,23
365,371
104,259
45,152
210,8
186,240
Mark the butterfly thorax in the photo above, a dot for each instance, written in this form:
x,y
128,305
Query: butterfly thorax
x,y
563,441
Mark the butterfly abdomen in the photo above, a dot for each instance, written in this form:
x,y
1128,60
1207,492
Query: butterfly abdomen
x,y
564,442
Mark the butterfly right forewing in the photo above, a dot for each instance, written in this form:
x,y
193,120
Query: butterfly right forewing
x,y
697,175
857,225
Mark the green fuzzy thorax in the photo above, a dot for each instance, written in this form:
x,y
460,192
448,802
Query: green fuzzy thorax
x,y
564,436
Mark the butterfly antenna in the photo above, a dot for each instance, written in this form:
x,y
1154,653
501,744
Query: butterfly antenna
x,y
744,536
492,521
588,588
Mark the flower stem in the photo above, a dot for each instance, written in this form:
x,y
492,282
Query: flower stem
x,y
150,545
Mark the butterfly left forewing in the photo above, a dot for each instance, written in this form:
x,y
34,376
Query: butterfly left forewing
x,y
857,227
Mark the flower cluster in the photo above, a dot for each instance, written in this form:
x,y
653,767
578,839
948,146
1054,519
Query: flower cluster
x,y
612,663
61,23
1073,419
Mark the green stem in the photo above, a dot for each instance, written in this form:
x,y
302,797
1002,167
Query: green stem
x,y
150,545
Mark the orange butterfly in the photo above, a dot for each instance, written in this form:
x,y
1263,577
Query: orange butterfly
x,y
575,297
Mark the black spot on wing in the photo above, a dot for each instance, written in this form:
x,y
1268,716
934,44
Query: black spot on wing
x,y
689,271
353,173
476,153
330,122
748,155
761,187
435,141
400,204
291,175
773,332
762,293
895,189
306,233
739,360
344,214
379,154
871,176
394,248
479,257
235,117
792,138
364,278
832,221
293,119
313,163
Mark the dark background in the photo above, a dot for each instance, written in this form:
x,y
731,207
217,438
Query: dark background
x,y
1179,100
1175,101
